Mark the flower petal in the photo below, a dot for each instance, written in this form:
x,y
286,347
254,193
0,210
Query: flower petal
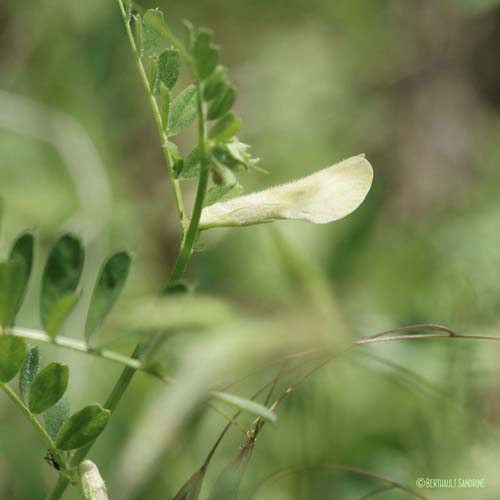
x,y
325,196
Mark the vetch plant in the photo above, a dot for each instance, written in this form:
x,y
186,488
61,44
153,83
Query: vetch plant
x,y
214,162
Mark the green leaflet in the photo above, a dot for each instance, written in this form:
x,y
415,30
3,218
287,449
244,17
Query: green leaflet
x,y
109,284
215,86
205,54
245,405
12,355
169,65
55,417
183,111
22,249
225,128
48,387
151,40
191,165
221,193
61,276
29,372
60,312
82,427
222,103
12,278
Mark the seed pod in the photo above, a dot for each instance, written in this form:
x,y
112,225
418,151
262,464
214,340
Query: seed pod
x,y
93,486
325,196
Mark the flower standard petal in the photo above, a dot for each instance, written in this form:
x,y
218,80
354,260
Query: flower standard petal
x,y
325,196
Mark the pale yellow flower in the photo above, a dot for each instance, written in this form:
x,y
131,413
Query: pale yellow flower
x,y
322,197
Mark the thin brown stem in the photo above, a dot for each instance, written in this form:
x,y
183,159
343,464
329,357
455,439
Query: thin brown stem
x,y
231,420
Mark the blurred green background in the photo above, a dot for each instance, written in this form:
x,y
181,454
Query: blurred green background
x,y
415,86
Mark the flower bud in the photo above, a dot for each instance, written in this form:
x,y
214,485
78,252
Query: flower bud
x,y
93,486
325,196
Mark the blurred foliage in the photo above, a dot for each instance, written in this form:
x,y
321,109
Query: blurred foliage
x,y
415,86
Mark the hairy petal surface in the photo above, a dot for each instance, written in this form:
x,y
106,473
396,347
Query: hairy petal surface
x,y
325,196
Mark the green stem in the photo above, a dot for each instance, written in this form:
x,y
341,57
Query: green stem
x,y
35,424
157,116
111,403
59,489
76,345
192,231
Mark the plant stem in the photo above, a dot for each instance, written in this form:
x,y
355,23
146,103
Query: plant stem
x,y
111,403
157,116
59,488
35,424
192,231
76,345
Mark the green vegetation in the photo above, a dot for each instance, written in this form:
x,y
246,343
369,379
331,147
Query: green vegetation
x,y
150,347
